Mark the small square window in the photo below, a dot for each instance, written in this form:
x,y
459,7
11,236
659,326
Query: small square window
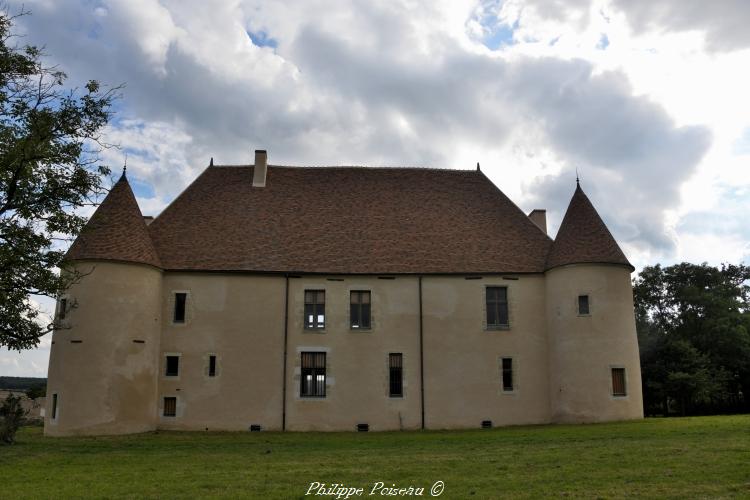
x,y
618,382
180,300
212,366
170,407
315,309
497,306
583,305
172,366
359,309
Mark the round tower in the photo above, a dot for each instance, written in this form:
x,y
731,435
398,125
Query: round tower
x,y
104,358
595,372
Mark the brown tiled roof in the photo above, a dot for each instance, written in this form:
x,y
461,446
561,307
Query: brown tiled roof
x,y
583,237
347,220
116,231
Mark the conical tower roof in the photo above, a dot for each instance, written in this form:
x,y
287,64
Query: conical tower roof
x,y
583,238
116,231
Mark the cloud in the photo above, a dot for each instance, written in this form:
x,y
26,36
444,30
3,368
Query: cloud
x,y
725,22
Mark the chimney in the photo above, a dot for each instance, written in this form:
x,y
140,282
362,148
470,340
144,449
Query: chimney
x,y
539,217
260,168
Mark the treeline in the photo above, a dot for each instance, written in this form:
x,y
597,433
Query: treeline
x,y
21,383
693,325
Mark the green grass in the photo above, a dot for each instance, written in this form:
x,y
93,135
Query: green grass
x,y
701,457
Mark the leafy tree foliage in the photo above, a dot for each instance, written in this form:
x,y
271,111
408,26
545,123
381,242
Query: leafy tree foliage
x,y
693,326
36,391
50,140
12,415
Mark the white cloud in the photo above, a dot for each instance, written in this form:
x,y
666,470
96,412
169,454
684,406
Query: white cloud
x,y
651,118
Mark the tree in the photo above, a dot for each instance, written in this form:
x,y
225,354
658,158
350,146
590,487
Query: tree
x,y
36,391
50,140
11,418
693,326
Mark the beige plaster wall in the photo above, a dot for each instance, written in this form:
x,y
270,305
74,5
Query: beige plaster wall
x,y
583,349
106,383
463,383
357,374
240,319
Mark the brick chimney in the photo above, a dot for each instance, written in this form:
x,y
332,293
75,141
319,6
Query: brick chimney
x,y
539,217
260,168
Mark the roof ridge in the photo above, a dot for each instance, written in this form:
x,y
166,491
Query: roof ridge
x,y
363,167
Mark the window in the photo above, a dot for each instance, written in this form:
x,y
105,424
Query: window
x,y
62,310
212,366
618,382
583,305
170,407
315,309
507,374
497,306
359,316
179,307
313,383
173,366
54,406
396,375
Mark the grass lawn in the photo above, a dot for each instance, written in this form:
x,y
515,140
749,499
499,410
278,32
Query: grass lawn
x,y
701,457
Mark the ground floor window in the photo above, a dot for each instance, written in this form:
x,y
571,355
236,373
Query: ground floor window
x,y
507,369
396,374
313,382
618,382
170,406
54,406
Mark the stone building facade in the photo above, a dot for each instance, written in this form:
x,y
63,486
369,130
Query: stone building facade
x,y
341,298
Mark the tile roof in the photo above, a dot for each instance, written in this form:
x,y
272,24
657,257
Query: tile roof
x,y
583,237
116,231
347,220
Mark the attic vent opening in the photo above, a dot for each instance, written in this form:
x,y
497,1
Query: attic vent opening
x,y
363,427
255,428
486,424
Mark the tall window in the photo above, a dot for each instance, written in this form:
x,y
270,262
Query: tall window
x,y
172,366
359,316
315,309
212,366
396,374
313,383
583,305
54,406
508,374
170,407
179,307
618,382
497,306
63,306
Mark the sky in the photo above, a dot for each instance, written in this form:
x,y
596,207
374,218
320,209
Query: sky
x,y
646,100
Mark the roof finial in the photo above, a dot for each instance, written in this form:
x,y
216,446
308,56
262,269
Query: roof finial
x,y
125,166
478,169
578,183
212,162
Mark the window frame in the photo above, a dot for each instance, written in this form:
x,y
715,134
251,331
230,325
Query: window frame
x,y
360,308
624,372
166,373
164,407
396,366
316,326
314,371
487,304
512,373
175,294
588,304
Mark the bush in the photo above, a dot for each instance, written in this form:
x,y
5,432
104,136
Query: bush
x,y
36,391
11,418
